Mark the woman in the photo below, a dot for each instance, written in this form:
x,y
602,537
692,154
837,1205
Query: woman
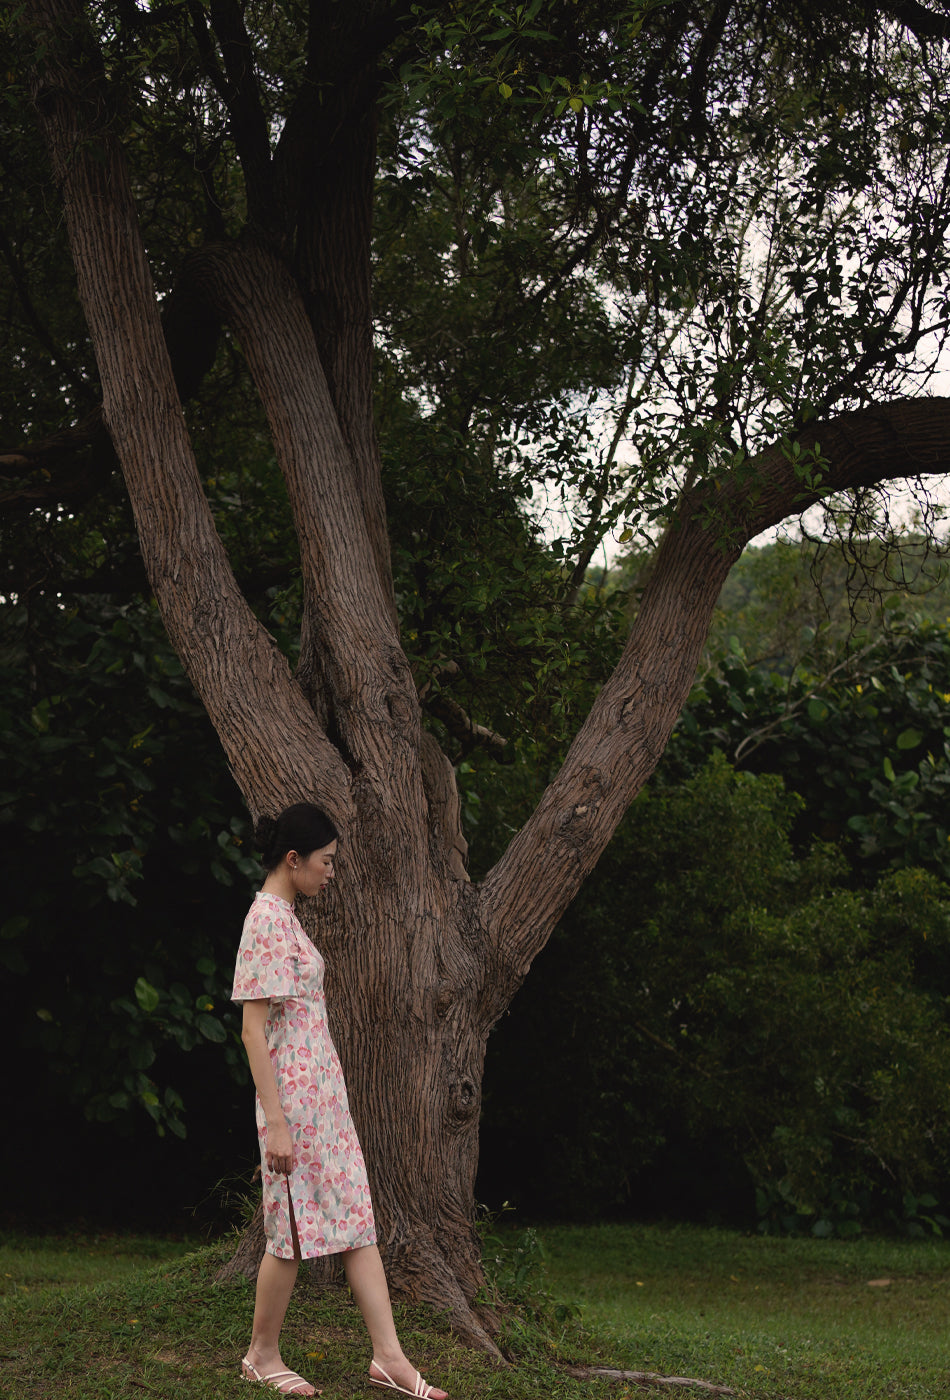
x,y
316,1195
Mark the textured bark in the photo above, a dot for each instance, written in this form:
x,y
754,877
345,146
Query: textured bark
x,y
420,962
246,1259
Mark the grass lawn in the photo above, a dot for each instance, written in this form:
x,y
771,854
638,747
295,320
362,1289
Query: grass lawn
x,y
770,1317
86,1317
31,1262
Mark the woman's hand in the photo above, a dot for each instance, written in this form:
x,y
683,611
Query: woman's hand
x,y
279,1149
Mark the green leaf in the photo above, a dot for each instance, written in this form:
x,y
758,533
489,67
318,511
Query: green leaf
x,y
146,995
909,739
141,1054
211,1028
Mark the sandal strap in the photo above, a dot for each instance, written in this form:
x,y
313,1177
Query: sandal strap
x,y
420,1388
278,1380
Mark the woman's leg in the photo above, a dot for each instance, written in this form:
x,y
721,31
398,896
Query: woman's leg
x,y
367,1280
275,1283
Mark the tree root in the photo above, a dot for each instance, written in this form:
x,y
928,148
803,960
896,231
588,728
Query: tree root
x,y
247,1257
646,1379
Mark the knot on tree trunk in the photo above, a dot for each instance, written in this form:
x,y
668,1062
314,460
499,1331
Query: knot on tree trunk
x,y
464,1102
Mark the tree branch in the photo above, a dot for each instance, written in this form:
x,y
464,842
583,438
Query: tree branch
x,y
238,89
239,673
48,451
620,743
463,728
922,22
350,635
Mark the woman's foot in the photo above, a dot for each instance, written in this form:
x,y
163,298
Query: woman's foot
x,y
399,1374
277,1377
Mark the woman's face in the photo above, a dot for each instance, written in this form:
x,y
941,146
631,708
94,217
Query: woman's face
x,y
312,872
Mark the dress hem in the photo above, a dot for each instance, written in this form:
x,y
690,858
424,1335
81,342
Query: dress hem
x,y
323,1253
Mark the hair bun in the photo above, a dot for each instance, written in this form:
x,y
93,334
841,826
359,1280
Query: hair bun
x,y
302,828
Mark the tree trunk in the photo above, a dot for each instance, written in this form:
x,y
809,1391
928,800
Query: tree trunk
x,y
406,972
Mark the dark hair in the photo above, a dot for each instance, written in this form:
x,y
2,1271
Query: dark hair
x,y
302,828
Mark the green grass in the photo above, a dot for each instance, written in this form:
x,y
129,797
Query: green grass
x,y
770,1317
112,1318
163,1329
30,1262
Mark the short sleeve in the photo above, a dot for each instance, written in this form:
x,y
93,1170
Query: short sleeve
x,y
266,961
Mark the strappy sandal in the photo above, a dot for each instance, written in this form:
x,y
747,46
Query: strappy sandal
x,y
284,1382
421,1391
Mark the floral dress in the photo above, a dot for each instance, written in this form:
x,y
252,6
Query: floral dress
x,y
328,1189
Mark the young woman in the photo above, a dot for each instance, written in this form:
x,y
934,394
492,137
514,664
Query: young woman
x,y
316,1195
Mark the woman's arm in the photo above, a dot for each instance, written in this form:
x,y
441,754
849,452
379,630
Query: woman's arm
x,y
279,1148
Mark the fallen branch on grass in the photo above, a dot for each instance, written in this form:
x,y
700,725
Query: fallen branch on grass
x,y
588,1373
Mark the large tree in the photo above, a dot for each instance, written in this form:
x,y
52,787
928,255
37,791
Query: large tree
x,y
651,165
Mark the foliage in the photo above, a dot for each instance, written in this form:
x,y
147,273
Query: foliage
x,y
858,721
552,295
802,601
112,807
736,1001
489,623
535,1325
580,313
616,255
547,283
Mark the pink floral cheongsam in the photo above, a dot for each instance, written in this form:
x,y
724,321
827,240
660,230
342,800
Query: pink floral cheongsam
x,y
328,1185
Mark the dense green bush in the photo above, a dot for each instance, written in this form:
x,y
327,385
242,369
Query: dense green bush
x,y
867,746
130,877
722,1013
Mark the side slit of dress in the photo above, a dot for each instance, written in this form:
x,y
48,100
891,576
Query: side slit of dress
x,y
298,1253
